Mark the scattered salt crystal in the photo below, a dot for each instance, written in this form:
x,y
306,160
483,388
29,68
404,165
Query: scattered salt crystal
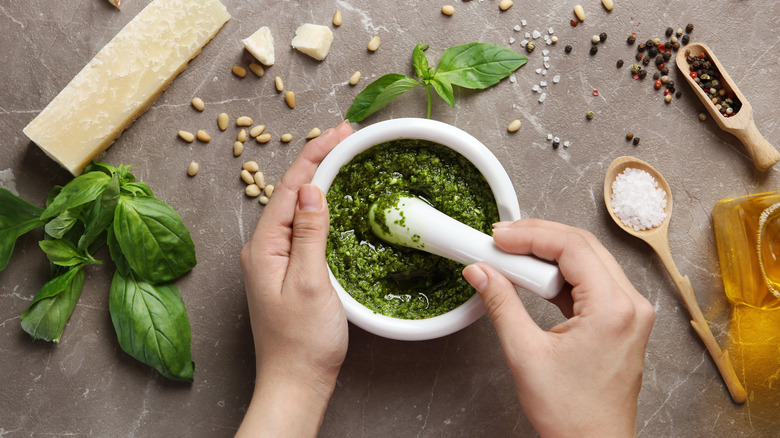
x,y
542,97
523,22
551,31
545,52
536,88
566,144
546,58
543,84
556,79
538,70
517,28
536,34
546,64
556,140
544,72
512,79
511,40
549,136
523,43
637,200
528,34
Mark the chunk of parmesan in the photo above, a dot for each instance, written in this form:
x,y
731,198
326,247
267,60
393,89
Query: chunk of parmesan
x,y
261,45
313,40
124,79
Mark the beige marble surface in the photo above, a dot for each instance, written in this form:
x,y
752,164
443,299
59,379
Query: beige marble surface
x,y
454,386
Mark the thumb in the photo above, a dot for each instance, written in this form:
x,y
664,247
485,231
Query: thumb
x,y
310,232
503,304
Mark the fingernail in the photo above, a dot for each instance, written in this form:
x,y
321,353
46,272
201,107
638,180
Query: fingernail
x,y
343,122
309,198
475,276
502,224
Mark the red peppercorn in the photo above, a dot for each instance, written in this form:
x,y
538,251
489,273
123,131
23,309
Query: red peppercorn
x,y
574,23
667,91
595,92
693,74
661,48
635,76
658,84
661,66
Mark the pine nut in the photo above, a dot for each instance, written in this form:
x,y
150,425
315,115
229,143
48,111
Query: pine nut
x,y
355,78
286,138
337,18
608,4
244,121
239,71
257,69
238,149
505,4
242,135
289,97
374,43
198,104
264,200
260,179
264,138
203,136
314,133
222,121
251,166
253,191
193,168
256,130
186,136
447,10
579,12
269,190
279,84
514,126
247,177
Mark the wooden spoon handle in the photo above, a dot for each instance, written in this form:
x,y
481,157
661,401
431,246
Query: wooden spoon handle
x,y
719,356
763,154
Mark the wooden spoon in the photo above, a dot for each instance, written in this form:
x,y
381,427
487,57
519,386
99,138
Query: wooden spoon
x,y
658,239
763,154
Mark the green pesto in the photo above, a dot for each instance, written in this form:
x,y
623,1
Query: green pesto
x,y
390,279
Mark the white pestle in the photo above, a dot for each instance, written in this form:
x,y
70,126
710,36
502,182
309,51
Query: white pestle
x,y
411,222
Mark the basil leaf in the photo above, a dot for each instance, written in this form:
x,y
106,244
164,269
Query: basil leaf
x,y
17,217
64,253
378,94
52,306
478,65
151,325
96,166
152,236
100,213
420,62
116,253
443,89
61,224
80,190
124,174
136,189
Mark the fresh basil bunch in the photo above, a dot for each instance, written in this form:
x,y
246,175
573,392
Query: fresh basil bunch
x,y
148,243
473,65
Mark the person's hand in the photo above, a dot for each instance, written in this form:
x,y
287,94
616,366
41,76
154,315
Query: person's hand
x,y
582,377
298,323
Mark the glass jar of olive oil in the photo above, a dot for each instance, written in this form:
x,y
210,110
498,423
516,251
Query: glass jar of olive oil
x,y
747,234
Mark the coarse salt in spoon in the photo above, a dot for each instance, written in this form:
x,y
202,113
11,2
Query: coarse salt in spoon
x,y
741,123
658,238
411,222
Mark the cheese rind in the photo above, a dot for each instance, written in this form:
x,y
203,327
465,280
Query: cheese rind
x,y
124,79
313,40
261,45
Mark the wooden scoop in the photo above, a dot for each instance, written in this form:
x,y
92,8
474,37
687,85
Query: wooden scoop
x,y
763,154
658,239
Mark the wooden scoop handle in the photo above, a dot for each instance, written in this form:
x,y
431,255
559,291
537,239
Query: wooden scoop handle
x,y
763,154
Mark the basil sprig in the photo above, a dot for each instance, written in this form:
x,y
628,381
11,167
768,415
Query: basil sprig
x,y
150,247
474,65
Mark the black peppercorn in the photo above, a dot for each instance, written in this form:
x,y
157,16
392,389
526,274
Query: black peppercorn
x,y
667,56
676,45
593,50
619,63
665,70
603,36
656,76
642,74
641,47
685,40
636,141
689,28
669,32
678,94
567,49
659,60
670,84
652,51
631,39
646,60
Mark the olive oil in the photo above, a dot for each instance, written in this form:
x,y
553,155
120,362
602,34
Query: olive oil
x,y
747,234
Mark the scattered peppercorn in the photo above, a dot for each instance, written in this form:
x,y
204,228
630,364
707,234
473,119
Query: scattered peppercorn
x,y
589,115
669,32
656,75
567,49
665,70
530,46
685,40
642,74
657,84
593,50
556,142
667,56
574,22
668,98
641,47
603,36
595,39
629,135
645,60
678,94
689,28
619,63
631,39
636,141
702,117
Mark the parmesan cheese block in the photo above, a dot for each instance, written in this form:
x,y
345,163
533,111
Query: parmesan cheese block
x,y
124,79
261,45
313,40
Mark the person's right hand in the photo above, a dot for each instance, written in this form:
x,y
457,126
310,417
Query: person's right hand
x,y
582,377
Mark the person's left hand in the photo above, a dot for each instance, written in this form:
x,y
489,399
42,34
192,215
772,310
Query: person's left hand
x,y
298,322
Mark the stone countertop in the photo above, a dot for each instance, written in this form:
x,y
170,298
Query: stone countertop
x,y
458,385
